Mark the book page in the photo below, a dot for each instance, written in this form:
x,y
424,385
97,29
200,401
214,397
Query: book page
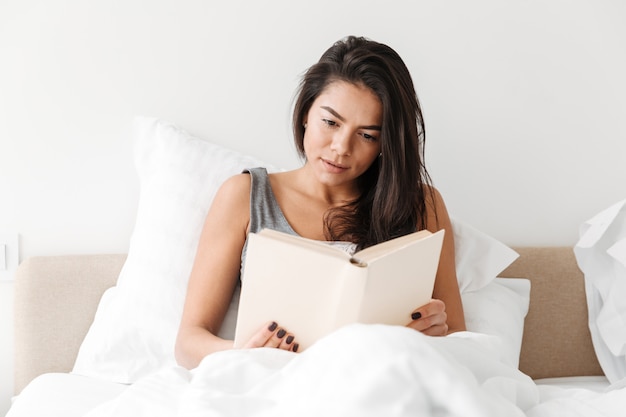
x,y
316,245
401,281
374,252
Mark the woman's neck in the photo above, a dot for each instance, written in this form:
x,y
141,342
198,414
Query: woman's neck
x,y
332,195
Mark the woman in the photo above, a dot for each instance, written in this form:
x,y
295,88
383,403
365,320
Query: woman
x,y
358,127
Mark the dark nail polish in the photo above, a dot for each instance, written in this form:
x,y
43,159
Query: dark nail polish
x,y
281,333
289,339
295,347
416,315
273,326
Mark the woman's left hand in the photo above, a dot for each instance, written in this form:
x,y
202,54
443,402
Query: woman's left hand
x,y
430,319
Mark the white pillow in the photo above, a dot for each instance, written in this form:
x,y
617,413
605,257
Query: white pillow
x,y
479,257
601,256
499,309
134,330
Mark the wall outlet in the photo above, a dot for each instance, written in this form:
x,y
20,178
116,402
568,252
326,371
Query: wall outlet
x,y
9,255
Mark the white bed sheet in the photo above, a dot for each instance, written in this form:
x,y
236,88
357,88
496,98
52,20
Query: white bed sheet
x,y
593,383
63,395
587,396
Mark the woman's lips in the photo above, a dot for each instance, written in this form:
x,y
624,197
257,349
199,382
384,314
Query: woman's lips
x,y
334,167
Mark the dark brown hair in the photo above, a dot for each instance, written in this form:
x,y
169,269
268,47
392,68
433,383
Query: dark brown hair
x,y
392,200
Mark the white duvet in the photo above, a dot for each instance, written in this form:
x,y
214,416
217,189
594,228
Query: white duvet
x,y
360,370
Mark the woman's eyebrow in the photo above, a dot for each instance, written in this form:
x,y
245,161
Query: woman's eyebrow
x,y
340,117
333,112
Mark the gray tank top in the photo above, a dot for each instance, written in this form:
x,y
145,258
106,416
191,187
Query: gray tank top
x,y
264,209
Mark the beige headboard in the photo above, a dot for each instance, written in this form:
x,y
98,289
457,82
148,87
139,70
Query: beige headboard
x,y
56,299
556,339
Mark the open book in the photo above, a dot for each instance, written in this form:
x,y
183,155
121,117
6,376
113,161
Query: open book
x,y
311,288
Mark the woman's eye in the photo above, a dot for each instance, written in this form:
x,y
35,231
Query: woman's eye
x,y
368,137
329,122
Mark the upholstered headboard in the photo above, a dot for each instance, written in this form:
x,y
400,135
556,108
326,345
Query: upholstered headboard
x,y
556,341
56,298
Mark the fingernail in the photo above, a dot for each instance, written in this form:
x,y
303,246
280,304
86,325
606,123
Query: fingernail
x,y
295,347
289,339
281,333
416,315
273,326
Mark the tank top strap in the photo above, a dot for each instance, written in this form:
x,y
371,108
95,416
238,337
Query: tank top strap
x,y
264,209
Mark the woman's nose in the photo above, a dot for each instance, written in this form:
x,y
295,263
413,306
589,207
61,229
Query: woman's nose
x,y
342,142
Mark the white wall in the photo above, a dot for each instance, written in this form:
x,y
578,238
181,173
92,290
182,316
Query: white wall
x,y
524,102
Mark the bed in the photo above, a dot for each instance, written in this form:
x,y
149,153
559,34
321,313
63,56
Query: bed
x,y
94,333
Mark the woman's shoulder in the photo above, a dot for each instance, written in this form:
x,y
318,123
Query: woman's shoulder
x,y
239,185
436,211
432,196
235,190
237,182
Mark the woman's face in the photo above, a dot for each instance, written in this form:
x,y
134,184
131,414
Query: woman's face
x,y
342,134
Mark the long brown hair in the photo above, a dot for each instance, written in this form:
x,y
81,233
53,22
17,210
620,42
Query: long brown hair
x,y
393,189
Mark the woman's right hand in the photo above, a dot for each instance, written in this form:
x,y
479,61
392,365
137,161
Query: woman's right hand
x,y
271,335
